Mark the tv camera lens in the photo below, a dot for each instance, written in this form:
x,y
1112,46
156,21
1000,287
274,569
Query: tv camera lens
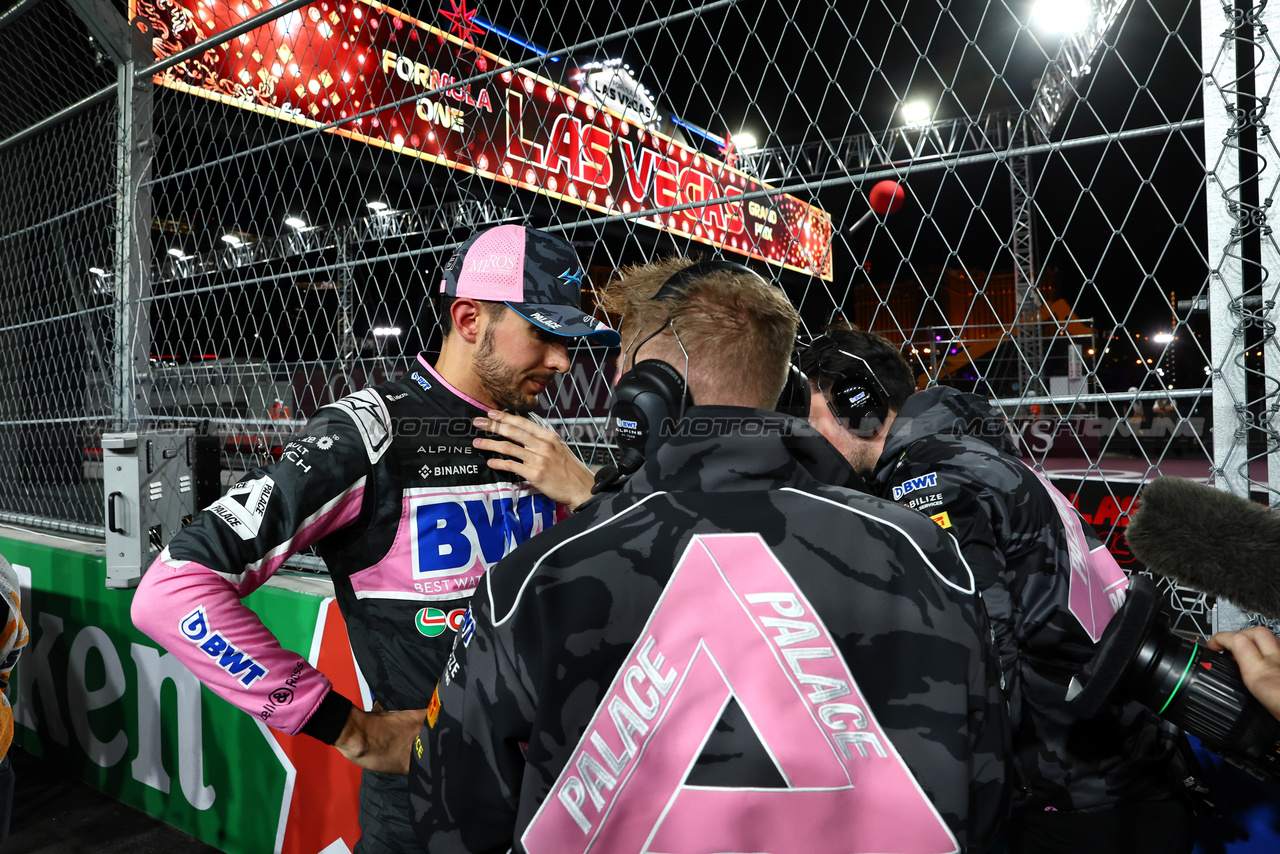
x,y
1200,691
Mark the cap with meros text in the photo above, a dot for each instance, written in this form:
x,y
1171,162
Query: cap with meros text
x,y
536,273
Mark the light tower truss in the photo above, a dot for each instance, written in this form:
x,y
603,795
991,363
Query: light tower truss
x,y
1005,130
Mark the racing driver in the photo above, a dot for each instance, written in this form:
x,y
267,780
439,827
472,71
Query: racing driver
x,y
408,505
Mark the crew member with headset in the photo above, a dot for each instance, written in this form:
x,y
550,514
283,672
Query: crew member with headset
x,y
1106,786
722,651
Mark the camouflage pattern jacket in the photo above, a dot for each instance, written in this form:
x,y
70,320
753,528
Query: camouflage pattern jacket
x,y
725,655
950,456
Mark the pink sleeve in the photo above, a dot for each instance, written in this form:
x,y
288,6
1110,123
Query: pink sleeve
x,y
197,615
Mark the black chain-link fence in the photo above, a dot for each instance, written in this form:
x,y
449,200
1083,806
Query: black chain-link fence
x,y
246,230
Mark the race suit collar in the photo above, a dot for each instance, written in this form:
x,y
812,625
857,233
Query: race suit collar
x,y
942,411
448,387
734,448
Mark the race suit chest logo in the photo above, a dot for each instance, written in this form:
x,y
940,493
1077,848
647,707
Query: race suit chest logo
x,y
195,628
431,622
372,421
623,787
458,533
924,481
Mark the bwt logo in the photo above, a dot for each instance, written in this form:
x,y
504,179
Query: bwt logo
x,y
195,628
450,534
930,479
626,425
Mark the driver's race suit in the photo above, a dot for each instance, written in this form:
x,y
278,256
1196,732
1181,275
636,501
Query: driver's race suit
x,y
386,485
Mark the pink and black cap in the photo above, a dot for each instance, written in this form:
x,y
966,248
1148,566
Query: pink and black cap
x,y
536,273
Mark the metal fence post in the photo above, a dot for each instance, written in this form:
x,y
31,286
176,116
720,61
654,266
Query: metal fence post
x,y
1269,417
1223,121
134,151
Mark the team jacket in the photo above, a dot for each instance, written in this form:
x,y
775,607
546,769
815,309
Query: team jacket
x,y
725,655
1050,587
406,515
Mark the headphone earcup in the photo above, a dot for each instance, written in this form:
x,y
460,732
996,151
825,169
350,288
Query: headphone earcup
x,y
795,396
861,403
644,397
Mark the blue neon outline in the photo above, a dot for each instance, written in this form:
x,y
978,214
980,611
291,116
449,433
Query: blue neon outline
x,y
690,126
509,36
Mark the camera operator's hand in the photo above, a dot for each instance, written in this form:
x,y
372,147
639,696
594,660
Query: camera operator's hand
x,y
537,455
1257,652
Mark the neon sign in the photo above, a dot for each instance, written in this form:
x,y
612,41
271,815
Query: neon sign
x,y
611,84
380,77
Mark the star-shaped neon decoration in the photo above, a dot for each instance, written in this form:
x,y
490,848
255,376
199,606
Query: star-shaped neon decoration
x,y
463,19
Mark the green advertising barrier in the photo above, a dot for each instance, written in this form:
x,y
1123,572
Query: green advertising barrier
x,y
96,696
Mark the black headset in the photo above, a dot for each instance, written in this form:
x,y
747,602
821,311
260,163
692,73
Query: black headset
x,y
796,396
857,396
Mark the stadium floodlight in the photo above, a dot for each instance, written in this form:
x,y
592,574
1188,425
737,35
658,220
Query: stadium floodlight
x,y
745,142
1162,337
295,222
378,207
1062,16
383,331
232,239
916,113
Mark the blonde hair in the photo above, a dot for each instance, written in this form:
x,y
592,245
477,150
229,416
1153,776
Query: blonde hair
x,y
737,329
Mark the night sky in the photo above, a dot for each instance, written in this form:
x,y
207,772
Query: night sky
x,y
1121,225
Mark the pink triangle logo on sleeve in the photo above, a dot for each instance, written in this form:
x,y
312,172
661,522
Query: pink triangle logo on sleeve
x,y
1098,584
733,623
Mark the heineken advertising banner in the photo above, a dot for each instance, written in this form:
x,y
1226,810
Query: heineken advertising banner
x,y
95,695
380,77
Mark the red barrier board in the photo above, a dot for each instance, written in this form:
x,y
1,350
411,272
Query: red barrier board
x,y
376,75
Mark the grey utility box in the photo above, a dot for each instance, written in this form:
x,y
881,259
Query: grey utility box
x,y
150,495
